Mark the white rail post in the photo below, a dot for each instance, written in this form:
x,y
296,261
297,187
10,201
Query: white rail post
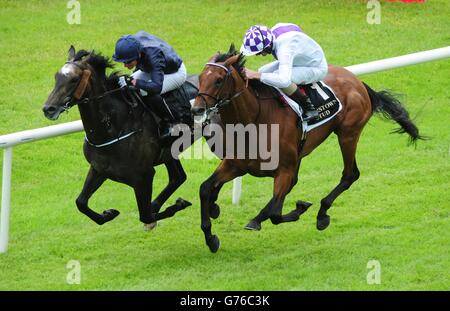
x,y
7,142
6,198
237,188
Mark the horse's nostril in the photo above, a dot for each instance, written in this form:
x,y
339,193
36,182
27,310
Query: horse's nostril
x,y
49,109
198,110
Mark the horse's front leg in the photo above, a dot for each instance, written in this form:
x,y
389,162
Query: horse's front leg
x,y
209,191
283,183
93,181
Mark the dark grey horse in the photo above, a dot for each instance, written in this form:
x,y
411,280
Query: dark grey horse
x,y
121,137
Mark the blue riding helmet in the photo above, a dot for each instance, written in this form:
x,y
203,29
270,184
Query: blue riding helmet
x,y
127,49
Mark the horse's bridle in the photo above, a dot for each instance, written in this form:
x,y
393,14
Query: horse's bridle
x,y
77,94
218,101
80,89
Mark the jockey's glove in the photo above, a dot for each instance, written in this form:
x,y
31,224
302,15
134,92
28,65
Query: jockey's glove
x,y
124,81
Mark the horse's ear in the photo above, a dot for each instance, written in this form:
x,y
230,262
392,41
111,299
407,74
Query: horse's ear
x,y
232,49
71,53
230,61
213,58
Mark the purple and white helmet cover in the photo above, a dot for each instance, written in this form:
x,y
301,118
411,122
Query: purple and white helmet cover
x,y
256,39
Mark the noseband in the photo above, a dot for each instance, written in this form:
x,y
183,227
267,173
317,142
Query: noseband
x,y
77,94
80,89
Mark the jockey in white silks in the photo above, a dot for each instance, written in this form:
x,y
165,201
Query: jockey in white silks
x,y
299,60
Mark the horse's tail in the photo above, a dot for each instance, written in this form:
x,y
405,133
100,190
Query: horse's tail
x,y
392,109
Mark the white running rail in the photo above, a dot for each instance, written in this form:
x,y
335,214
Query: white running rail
x,y
7,142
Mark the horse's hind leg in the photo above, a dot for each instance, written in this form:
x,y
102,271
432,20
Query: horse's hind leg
x,y
177,177
264,214
93,181
300,206
148,214
349,175
143,193
171,210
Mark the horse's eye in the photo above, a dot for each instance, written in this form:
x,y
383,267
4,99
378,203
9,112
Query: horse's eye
x,y
73,80
218,82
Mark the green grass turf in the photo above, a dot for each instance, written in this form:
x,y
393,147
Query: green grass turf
x,y
397,213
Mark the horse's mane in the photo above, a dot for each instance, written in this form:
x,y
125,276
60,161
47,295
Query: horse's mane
x,y
100,63
96,60
239,66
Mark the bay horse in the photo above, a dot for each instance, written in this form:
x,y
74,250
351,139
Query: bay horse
x,y
222,88
121,141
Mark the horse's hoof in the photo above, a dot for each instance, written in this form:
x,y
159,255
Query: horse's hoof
x,y
214,211
183,203
253,225
110,214
213,243
302,206
150,226
323,222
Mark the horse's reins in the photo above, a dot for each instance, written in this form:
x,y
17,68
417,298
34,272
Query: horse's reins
x,y
77,95
81,88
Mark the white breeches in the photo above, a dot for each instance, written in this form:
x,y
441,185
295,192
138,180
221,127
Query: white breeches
x,y
300,75
171,81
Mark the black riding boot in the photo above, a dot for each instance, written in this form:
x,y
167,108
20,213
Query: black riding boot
x,y
309,112
157,104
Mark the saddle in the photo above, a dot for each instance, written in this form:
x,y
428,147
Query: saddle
x,y
179,104
323,99
178,101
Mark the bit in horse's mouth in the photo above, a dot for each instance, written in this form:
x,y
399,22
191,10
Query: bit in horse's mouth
x,y
200,118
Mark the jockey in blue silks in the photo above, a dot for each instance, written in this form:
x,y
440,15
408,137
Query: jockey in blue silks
x,y
158,70
299,60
